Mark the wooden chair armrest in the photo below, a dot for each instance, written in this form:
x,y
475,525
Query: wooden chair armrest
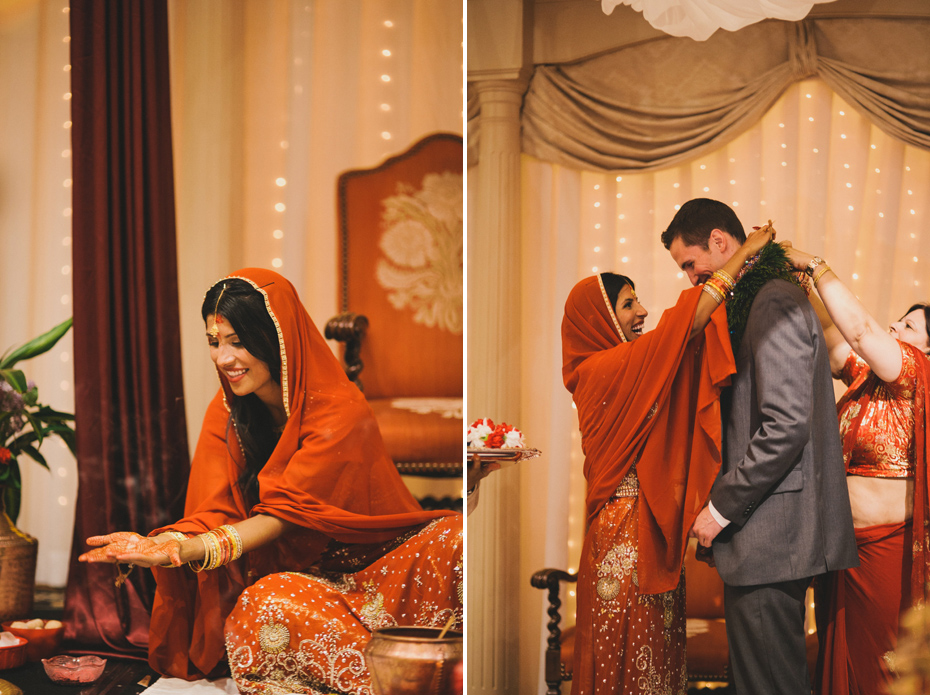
x,y
349,329
550,579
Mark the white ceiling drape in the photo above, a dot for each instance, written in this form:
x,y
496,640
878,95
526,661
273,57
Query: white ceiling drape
x,y
701,18
271,100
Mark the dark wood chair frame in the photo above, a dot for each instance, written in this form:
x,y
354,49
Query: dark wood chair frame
x,y
552,579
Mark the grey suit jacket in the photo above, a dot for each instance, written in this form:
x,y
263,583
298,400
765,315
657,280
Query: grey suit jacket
x,y
782,484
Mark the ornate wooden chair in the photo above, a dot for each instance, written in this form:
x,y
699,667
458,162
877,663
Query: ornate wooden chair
x,y
400,293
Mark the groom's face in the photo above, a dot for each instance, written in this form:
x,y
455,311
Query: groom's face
x,y
700,263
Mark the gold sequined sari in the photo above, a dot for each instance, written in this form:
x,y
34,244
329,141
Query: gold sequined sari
x,y
305,632
632,642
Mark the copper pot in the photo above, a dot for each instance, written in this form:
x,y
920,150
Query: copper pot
x,y
413,660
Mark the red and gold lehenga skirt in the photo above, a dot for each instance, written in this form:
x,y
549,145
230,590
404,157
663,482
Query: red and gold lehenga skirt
x,y
859,630
296,632
625,643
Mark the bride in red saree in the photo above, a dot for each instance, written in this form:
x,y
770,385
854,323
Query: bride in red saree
x,y
299,535
649,414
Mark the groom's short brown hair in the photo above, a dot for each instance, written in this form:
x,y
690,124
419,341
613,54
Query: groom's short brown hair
x,y
697,218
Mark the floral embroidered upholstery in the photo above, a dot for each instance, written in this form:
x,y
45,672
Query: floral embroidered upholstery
x,y
401,280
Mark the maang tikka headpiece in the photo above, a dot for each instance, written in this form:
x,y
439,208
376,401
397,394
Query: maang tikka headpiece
x,y
215,331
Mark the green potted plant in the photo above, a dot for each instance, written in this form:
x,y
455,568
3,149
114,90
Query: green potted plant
x,y
24,422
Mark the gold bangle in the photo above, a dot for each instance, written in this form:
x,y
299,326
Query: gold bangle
x,y
217,559
714,293
728,282
235,540
209,554
823,269
199,567
177,535
720,286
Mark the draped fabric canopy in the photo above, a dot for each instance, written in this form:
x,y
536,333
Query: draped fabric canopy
x,y
652,105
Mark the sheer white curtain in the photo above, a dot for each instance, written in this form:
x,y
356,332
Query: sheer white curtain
x,y
35,248
830,181
271,100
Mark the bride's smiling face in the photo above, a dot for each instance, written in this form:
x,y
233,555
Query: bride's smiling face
x,y
245,373
630,313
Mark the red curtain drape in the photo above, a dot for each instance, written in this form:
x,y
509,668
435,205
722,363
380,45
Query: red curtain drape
x,y
131,437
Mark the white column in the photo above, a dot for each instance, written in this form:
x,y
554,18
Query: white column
x,y
492,563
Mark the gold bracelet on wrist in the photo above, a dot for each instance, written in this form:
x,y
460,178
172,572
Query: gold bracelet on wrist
x,y
726,280
235,541
713,292
208,554
823,269
720,285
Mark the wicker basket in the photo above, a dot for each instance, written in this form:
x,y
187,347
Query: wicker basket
x,y
18,552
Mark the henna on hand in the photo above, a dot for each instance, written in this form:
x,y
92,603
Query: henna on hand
x,y
110,546
152,552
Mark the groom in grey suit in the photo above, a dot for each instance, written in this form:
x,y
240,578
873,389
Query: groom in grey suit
x,y
779,510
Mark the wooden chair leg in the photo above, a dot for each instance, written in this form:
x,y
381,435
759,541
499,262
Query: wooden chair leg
x,y
550,579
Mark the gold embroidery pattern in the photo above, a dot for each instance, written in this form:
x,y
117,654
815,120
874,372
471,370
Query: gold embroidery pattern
x,y
274,638
329,658
608,588
316,661
620,562
667,601
877,419
650,683
373,614
460,585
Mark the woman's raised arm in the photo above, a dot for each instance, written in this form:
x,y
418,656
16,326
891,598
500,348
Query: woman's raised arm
x,y
753,244
855,324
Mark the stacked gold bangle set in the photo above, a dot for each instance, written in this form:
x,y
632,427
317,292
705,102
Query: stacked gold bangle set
x,y
221,546
720,286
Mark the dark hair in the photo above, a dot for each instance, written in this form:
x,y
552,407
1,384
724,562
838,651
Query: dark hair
x,y
697,218
926,309
244,307
614,284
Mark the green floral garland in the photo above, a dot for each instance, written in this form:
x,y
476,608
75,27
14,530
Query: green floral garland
x,y
770,263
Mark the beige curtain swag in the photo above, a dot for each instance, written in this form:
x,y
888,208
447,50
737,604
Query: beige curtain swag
x,y
654,104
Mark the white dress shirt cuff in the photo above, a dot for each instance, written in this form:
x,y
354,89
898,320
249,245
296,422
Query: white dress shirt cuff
x,y
714,513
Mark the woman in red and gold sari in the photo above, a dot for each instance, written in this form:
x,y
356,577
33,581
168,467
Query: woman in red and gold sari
x,y
299,536
648,409
883,419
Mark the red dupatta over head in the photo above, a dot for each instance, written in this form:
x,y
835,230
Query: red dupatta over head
x,y
329,474
658,384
